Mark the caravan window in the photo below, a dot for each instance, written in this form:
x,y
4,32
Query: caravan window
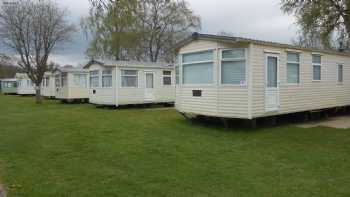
x,y
293,67
47,81
64,79
107,78
129,78
233,67
94,79
197,68
80,80
167,77
340,73
57,80
316,67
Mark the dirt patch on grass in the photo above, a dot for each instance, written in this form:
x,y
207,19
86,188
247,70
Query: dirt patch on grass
x,y
340,122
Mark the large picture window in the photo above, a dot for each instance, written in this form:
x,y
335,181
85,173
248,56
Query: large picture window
x,y
233,67
129,78
94,79
107,78
293,68
197,68
316,67
80,80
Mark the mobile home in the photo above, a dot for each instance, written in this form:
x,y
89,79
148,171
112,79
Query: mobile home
x,y
25,86
8,86
232,77
118,83
71,84
48,85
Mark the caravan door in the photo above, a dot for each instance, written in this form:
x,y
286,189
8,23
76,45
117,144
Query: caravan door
x,y
272,83
149,86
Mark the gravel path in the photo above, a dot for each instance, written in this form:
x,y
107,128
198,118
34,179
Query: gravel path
x,y
340,122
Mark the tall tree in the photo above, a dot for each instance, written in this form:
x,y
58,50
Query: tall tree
x,y
328,17
112,25
164,23
149,30
32,29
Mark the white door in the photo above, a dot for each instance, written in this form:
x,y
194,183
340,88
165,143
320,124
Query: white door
x,y
149,86
272,84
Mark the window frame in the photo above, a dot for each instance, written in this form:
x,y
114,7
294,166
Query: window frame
x,y
57,80
233,60
171,78
107,75
316,64
80,75
97,75
291,62
137,77
342,81
181,70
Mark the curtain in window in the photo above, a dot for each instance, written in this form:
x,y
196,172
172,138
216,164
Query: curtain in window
x,y
198,73
198,57
271,72
316,72
107,81
233,54
293,57
129,78
233,72
80,80
292,73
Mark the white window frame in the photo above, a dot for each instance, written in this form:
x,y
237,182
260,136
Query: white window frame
x,y
121,77
64,75
57,80
107,75
291,62
197,62
340,82
232,60
89,81
171,78
315,64
80,74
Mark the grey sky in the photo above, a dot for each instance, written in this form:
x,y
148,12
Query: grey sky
x,y
259,19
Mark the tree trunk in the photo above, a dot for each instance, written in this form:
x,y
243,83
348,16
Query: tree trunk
x,y
38,98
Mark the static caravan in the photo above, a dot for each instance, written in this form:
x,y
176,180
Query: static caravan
x,y
71,84
232,77
25,86
48,88
8,86
118,83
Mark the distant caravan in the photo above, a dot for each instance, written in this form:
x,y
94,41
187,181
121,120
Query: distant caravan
x,y
71,84
25,86
117,83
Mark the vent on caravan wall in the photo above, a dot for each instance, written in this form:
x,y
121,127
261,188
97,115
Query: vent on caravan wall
x,y
197,93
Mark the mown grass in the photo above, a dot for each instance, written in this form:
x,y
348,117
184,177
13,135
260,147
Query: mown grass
x,y
79,150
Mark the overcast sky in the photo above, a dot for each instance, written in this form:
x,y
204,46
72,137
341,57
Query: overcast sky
x,y
259,19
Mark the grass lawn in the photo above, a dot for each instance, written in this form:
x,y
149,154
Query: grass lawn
x,y
79,150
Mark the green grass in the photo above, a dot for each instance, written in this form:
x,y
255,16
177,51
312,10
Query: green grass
x,y
79,150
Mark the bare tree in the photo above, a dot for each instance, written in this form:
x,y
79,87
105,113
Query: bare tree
x,y
32,29
164,23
